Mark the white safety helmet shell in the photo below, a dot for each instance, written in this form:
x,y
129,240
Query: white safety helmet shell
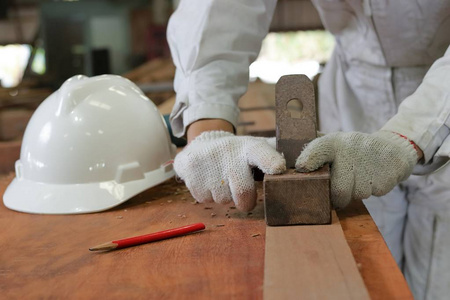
x,y
91,145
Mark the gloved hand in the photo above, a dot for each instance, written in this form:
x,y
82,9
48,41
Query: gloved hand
x,y
216,166
361,164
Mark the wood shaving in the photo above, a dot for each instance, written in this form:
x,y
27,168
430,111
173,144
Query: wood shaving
x,y
220,225
256,234
207,207
213,214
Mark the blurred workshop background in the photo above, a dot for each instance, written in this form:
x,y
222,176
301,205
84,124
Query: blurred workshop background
x,y
43,43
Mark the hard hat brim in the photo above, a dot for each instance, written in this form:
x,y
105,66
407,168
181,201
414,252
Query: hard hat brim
x,y
42,198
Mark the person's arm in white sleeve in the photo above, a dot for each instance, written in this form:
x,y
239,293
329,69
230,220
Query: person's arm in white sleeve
x,y
424,117
372,164
213,43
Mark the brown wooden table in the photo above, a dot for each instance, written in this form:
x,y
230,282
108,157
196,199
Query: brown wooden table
x,y
46,256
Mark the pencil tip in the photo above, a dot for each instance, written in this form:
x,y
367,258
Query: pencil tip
x,y
104,247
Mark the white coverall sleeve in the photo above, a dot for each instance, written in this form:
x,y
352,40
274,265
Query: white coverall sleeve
x,y
424,117
213,43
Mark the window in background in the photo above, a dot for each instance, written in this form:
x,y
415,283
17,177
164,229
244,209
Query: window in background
x,y
301,52
13,61
38,64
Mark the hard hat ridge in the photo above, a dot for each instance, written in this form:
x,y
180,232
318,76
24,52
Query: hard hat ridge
x,y
79,87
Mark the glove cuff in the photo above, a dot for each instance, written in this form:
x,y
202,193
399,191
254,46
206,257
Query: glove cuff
x,y
404,143
212,135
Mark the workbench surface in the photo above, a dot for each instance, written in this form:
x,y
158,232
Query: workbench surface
x,y
46,256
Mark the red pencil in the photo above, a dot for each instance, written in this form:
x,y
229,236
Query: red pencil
x,y
152,237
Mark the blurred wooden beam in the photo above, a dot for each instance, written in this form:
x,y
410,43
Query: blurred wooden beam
x,y
295,15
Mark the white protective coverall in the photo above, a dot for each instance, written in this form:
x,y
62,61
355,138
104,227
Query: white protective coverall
x,y
383,51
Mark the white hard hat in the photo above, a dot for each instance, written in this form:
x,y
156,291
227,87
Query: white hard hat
x,y
91,145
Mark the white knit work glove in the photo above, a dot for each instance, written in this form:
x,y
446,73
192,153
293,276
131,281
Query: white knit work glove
x,y
216,166
361,164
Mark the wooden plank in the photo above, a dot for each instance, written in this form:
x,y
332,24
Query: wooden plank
x,y
380,273
165,108
310,262
23,97
258,94
146,68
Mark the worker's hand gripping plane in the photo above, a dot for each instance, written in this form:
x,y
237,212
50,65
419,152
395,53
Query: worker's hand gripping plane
x,y
216,165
